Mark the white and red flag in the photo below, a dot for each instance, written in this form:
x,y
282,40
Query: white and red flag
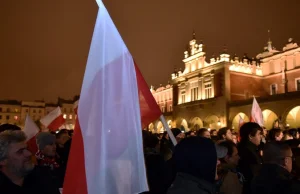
x,y
115,105
75,106
53,120
256,114
241,121
31,130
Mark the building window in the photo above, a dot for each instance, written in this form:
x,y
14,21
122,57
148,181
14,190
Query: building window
x,y
273,89
0,109
40,111
162,109
34,111
8,110
26,110
208,90
71,110
7,117
194,94
170,108
0,116
70,116
65,110
183,97
298,84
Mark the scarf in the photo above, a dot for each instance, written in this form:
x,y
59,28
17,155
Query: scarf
x,y
46,161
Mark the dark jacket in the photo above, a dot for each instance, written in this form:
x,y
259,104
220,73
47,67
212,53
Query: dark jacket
x,y
188,184
156,172
250,163
37,182
274,179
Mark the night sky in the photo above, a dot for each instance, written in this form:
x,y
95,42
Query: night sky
x,y
44,44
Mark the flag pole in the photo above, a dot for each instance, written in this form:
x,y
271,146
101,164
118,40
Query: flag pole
x,y
166,126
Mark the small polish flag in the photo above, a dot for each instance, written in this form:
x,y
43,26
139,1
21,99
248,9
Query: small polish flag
x,y
53,120
31,130
256,114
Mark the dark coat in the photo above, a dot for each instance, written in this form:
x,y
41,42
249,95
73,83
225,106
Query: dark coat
x,y
274,179
249,164
188,184
37,182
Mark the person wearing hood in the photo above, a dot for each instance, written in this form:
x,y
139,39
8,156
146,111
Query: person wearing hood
x,y
195,159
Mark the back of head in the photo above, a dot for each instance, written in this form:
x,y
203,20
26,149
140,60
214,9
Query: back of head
x,y
201,132
222,132
150,140
5,127
293,132
43,139
275,152
247,129
273,133
196,156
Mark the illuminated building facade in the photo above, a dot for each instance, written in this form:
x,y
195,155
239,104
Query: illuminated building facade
x,y
215,94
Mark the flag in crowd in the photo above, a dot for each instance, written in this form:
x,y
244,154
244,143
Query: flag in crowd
x,y
115,104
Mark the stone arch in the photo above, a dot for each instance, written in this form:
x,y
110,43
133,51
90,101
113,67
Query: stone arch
x,y
169,123
196,123
293,117
184,125
269,118
236,120
159,127
211,122
151,127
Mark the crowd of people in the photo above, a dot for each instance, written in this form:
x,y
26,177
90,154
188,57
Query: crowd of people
x,y
254,161
24,172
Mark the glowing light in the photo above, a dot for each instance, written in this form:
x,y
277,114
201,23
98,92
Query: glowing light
x,y
65,116
219,123
287,125
16,117
208,129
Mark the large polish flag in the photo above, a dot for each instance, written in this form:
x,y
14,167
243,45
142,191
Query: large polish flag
x,y
53,120
115,103
256,114
31,130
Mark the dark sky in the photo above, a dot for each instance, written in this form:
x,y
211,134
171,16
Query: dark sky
x,y
44,44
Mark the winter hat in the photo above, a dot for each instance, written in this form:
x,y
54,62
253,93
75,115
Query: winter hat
x,y
43,139
176,131
221,151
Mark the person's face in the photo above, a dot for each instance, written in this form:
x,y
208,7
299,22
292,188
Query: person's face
x,y
18,159
192,134
297,135
228,135
234,158
279,137
234,139
264,132
288,161
214,133
206,134
63,139
256,138
49,150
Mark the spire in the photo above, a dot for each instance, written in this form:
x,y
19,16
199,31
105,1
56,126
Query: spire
x,y
269,42
194,35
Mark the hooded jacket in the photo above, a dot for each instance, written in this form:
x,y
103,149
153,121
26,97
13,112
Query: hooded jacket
x,y
195,160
